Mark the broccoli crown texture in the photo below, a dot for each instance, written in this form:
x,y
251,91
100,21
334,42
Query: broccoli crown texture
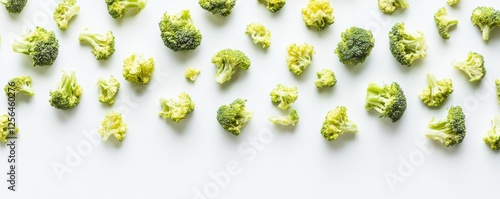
x,y
299,57
388,100
108,88
233,117
192,73
443,22
290,119
138,69
118,8
492,139
222,7
5,128
473,66
14,6
113,124
406,46
337,123
497,84
356,46
67,95
103,45
40,44
284,95
326,78
436,91
19,84
259,34
228,61
64,12
318,14
274,5
451,130
452,2
389,6
178,32
176,109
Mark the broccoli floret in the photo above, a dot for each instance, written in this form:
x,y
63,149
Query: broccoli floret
x,y
68,92
299,57
19,84
284,95
449,131
41,45
178,32
228,61
108,88
497,83
437,91
103,45
473,66
113,124
176,109
486,19
443,22
222,7
14,6
5,128
259,34
138,69
117,8
233,117
65,11
337,123
192,73
388,100
318,14
356,46
326,78
492,139
452,2
273,5
389,6
407,46
290,119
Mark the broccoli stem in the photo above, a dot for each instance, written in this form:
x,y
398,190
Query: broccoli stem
x,y
349,127
27,90
92,39
21,46
486,32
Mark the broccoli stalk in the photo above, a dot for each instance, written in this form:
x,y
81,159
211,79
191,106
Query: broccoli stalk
x,y
20,84
64,12
406,46
178,32
14,6
103,45
449,131
113,124
437,91
388,100
233,117
443,22
318,14
486,18
492,139
473,66
176,109
228,61
337,123
67,95
389,6
41,45
117,8
290,119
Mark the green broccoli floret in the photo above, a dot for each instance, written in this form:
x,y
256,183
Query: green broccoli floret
x,y
497,83
138,69
473,66
356,46
113,124
443,22
103,45
407,46
486,19
234,117
326,78
228,61
176,109
5,128
41,45
14,6
389,6
437,91
192,73
492,139
318,14
68,92
222,7
284,95
259,34
117,8
337,123
19,84
290,119
64,12
274,5
178,32
299,57
108,88
449,131
388,100
452,2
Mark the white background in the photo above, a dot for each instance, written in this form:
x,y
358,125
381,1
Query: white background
x,y
160,159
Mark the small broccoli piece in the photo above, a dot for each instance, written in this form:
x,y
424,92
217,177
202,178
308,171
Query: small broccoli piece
x,y
222,7
443,22
64,12
138,69
274,5
356,46
228,61
437,91
452,2
388,100
176,109
497,83
41,45
318,14
259,34
103,45
486,19
19,84
192,73
449,131
326,78
337,123
14,6
473,66
389,6
117,8
113,124
178,32
290,119
108,88
407,46
234,117
284,95
68,92
299,57
5,128
492,139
